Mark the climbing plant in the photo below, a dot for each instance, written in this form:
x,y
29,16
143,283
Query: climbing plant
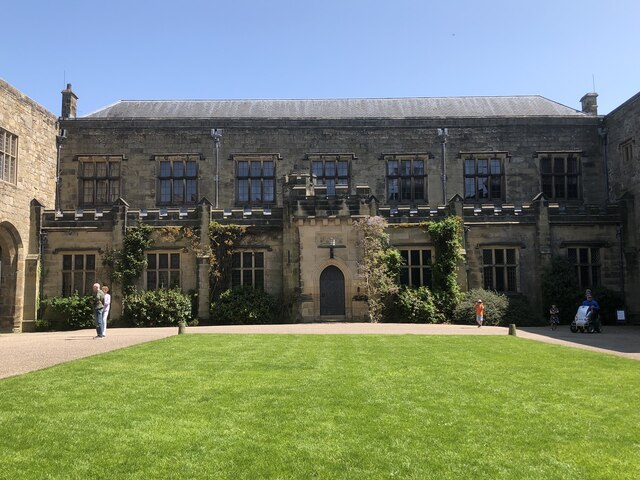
x,y
380,264
127,263
446,235
223,239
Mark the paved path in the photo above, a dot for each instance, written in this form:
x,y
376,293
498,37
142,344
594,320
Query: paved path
x,y
26,352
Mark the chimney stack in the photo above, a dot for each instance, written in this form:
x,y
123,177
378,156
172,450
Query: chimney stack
x,y
590,104
69,103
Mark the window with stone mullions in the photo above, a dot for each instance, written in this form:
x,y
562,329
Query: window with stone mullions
x,y
178,181
163,270
483,178
560,177
416,268
329,172
99,182
255,180
406,180
500,269
247,269
78,274
586,261
8,156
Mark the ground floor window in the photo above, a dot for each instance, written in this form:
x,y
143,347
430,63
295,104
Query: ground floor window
x,y
586,261
163,270
78,274
247,269
500,269
416,268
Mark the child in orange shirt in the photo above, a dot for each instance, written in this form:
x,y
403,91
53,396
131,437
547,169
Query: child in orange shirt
x,y
479,308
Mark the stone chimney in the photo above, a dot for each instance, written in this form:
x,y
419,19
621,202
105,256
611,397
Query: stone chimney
x,y
69,103
590,104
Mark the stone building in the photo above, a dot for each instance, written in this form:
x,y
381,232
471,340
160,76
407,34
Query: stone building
x,y
27,186
527,175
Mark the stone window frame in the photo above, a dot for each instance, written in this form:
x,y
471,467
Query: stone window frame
x,y
587,262
403,185
561,174
500,271
76,270
415,272
8,157
331,171
256,184
91,182
172,183
626,151
494,179
248,268
163,269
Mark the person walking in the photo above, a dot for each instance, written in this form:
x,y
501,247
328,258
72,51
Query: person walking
x,y
479,309
98,308
105,311
554,316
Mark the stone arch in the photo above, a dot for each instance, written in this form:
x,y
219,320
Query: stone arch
x,y
11,278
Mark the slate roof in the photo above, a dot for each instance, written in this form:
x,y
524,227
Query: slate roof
x,y
398,108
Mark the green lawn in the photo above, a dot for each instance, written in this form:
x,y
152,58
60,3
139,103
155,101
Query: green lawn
x,y
306,406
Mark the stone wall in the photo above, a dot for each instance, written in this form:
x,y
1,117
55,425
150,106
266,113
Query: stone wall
x,y
22,202
623,151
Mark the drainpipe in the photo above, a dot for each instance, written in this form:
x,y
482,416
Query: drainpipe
x,y
603,132
62,136
443,133
216,134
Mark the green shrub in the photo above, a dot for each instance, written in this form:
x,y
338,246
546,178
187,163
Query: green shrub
x,y
496,306
411,305
67,313
244,306
609,301
560,286
156,308
523,314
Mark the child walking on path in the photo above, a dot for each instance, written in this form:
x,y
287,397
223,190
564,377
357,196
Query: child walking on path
x,y
479,308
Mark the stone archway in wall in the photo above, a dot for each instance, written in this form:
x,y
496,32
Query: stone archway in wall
x,y
332,292
10,252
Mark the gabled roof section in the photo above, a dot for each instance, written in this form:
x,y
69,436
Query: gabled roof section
x,y
397,108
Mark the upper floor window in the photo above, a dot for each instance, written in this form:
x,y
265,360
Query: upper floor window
x,y
416,268
78,274
331,171
500,269
8,156
177,179
626,151
587,265
255,179
406,178
163,270
247,269
484,177
560,176
99,179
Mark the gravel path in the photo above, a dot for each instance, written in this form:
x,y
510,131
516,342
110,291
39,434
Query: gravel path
x,y
26,352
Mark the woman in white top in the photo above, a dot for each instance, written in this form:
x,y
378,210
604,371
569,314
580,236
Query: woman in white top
x,y
105,311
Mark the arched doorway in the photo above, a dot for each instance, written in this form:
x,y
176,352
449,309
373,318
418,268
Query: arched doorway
x,y
332,291
9,250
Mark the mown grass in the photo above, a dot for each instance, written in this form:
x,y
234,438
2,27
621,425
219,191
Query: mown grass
x,y
302,407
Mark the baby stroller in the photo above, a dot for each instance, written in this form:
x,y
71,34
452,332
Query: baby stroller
x,y
586,320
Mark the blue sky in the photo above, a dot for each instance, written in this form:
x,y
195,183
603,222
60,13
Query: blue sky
x,y
236,49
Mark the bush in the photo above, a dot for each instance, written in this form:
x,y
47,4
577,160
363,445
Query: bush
x,y
496,307
560,286
411,305
67,313
523,314
156,308
609,301
244,306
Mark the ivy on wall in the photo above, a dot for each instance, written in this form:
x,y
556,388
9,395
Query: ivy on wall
x,y
128,263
